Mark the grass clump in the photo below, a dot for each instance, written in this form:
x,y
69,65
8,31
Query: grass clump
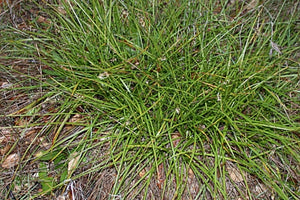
x,y
170,95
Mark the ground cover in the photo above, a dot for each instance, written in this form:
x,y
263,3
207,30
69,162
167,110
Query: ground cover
x,y
150,100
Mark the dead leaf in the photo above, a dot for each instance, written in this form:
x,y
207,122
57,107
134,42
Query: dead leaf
x,y
4,150
3,139
61,197
191,173
251,5
124,14
103,75
62,10
22,122
142,173
175,138
260,188
234,174
75,118
5,85
6,136
32,131
43,143
11,161
73,162
193,183
160,176
42,19
142,21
